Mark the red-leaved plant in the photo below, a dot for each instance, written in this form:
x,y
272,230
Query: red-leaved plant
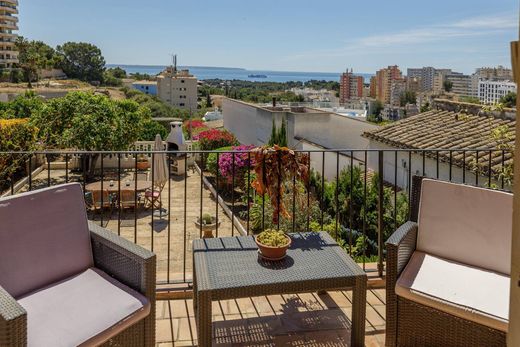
x,y
274,166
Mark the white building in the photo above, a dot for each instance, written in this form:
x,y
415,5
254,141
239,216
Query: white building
x,y
490,92
307,129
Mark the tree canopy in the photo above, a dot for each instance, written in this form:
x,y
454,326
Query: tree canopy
x,y
91,122
34,56
509,100
83,61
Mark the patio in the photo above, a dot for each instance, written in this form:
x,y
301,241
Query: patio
x,y
312,319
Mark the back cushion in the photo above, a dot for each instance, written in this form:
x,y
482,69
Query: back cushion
x,y
44,238
466,224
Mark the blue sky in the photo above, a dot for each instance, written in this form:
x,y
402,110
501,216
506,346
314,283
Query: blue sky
x,y
289,35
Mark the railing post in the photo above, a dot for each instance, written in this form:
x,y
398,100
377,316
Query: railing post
x,y
380,213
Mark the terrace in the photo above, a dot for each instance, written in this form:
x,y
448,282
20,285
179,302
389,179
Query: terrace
x,y
375,209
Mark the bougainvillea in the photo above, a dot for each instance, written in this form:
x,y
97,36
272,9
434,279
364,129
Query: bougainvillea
x,y
213,138
243,161
192,128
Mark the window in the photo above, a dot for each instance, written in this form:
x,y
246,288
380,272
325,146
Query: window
x,y
181,104
182,81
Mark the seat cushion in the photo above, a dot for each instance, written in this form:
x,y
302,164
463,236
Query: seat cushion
x,y
87,309
470,293
44,238
466,224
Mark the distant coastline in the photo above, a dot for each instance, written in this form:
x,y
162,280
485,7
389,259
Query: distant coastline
x,y
230,73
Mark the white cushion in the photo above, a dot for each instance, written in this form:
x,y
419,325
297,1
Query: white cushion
x,y
467,224
467,292
87,310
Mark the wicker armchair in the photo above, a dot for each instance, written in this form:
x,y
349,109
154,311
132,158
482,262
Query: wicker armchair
x,y
425,319
72,269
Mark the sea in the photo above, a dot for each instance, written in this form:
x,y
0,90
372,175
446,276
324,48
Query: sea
x,y
225,73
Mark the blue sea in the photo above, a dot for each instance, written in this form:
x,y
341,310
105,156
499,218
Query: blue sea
x,y
204,73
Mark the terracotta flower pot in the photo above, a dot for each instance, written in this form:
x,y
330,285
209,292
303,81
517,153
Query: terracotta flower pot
x,y
207,228
274,253
142,165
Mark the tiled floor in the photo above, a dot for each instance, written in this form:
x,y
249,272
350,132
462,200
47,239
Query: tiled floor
x,y
288,320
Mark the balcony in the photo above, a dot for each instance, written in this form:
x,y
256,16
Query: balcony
x,y
167,226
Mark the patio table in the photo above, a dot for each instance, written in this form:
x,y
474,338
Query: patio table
x,y
230,268
141,186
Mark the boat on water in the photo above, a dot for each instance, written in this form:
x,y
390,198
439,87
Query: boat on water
x,y
257,76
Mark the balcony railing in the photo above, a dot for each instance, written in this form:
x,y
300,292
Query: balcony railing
x,y
358,196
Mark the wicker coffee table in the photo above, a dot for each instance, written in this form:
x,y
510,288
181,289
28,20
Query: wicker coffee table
x,y
230,268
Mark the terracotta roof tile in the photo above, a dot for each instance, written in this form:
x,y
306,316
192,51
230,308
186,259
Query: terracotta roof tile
x,y
438,129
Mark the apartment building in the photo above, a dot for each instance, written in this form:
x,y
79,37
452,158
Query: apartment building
x,y
499,73
431,79
463,85
383,82
8,36
178,88
373,87
350,86
414,84
397,89
490,92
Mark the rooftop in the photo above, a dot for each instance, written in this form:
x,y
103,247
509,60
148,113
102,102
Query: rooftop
x,y
445,128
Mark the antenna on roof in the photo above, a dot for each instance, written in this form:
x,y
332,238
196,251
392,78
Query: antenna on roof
x,y
174,62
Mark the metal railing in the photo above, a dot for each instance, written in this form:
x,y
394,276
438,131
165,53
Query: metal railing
x,y
359,196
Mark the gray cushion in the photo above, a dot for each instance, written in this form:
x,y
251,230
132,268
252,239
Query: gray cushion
x,y
86,309
44,238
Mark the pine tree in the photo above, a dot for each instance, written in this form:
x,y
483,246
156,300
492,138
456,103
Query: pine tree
x,y
274,134
209,103
282,135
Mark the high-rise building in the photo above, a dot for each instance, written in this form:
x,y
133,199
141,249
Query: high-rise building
x,y
490,92
8,36
373,87
397,89
350,86
429,76
178,88
383,82
414,84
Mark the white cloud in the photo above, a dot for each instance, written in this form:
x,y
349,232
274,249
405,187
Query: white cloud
x,y
464,28
501,22
476,26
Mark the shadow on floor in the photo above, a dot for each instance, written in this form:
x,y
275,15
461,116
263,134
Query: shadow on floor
x,y
291,327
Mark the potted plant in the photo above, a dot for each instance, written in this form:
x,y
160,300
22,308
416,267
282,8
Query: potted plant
x,y
273,244
208,224
142,162
273,166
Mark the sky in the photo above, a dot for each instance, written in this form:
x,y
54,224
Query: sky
x,y
285,35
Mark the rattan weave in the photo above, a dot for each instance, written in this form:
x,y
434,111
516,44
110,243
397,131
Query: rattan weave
x,y
411,324
228,268
128,263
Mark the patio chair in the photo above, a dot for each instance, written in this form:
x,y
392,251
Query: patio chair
x,y
127,199
153,196
448,268
65,281
101,200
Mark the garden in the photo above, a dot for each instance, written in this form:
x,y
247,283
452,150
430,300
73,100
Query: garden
x,y
274,188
